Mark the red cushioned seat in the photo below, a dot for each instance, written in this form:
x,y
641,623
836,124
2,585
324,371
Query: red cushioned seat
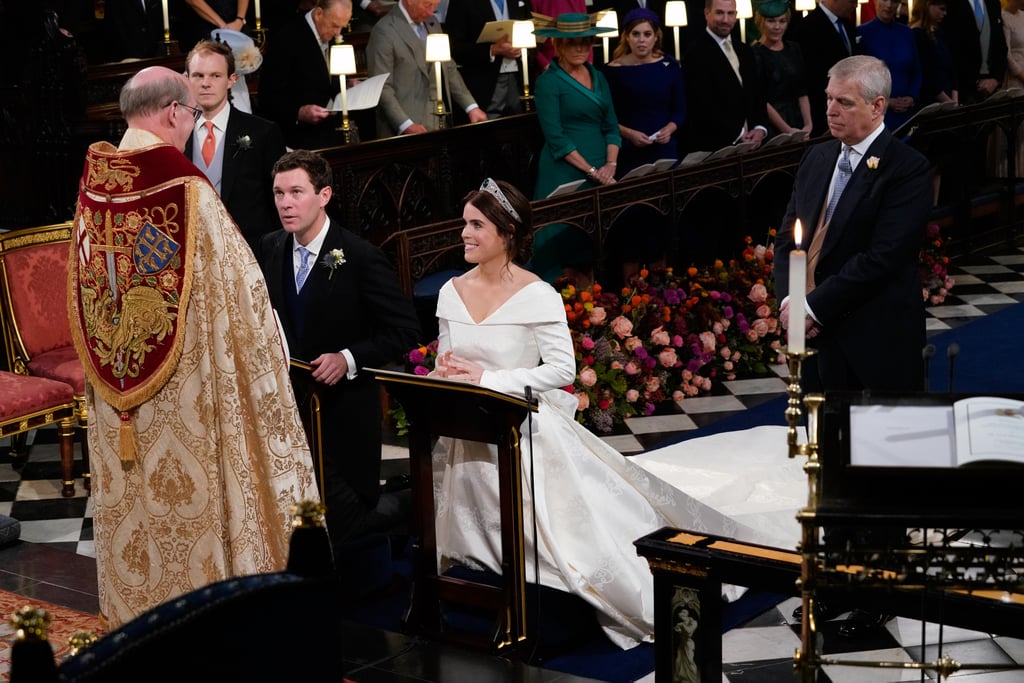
x,y
28,403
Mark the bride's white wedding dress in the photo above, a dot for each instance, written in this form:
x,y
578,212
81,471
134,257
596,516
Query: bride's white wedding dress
x,y
592,502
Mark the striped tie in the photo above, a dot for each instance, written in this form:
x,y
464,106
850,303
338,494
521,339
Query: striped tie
x,y
300,277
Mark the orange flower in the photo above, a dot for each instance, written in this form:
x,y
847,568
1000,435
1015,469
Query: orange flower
x,y
635,301
585,296
644,273
596,288
691,271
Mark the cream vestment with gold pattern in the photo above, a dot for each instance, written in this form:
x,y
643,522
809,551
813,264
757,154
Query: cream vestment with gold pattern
x,y
220,452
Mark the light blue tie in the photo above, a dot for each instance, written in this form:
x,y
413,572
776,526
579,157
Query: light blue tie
x,y
300,277
501,6
842,34
843,174
979,12
421,31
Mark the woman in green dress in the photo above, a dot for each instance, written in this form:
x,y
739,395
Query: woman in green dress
x,y
581,141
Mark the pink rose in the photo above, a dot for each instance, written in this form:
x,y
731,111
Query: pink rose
x,y
633,343
727,365
690,390
752,335
687,375
760,327
587,343
725,352
759,252
616,365
584,401
677,341
717,328
707,340
632,395
632,368
588,377
653,384
668,358
678,396
735,356
660,337
758,294
598,316
764,311
622,327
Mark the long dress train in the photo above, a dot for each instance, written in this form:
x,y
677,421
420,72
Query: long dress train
x,y
592,502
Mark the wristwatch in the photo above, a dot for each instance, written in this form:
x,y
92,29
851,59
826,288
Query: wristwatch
x,y
591,171
241,19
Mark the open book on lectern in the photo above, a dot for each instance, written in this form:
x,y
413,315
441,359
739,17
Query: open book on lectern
x,y
973,430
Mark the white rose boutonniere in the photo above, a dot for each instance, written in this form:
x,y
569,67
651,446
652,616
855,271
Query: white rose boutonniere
x,y
333,259
242,144
872,163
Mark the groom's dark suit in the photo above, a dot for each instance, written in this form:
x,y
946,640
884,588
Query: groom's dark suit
x,y
246,182
356,306
868,295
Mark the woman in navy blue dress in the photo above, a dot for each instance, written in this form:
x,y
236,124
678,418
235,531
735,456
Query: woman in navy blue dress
x,y
938,77
647,89
892,42
650,103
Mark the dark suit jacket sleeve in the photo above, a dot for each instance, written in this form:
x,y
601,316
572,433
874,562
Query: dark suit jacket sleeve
x,y
395,326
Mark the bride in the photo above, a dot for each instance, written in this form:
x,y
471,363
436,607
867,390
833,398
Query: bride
x,y
504,328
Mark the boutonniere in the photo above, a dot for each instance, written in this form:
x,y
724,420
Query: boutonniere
x,y
872,163
242,144
333,259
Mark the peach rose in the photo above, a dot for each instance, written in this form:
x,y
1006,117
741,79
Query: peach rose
x,y
678,396
583,401
588,377
668,358
632,368
660,337
758,294
764,311
598,316
632,344
760,326
622,327
632,395
707,340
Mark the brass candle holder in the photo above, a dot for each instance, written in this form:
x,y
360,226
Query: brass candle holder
x,y
170,45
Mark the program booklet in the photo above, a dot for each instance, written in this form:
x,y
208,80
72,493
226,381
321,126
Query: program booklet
x,y
654,167
978,429
494,31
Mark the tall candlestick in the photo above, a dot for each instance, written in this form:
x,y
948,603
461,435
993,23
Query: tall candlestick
x,y
257,9
675,39
797,292
344,94
437,77
167,20
858,13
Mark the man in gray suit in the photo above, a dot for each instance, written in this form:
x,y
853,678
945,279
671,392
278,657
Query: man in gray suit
x,y
398,46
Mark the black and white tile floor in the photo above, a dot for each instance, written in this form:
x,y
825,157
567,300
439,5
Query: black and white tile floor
x,y
761,651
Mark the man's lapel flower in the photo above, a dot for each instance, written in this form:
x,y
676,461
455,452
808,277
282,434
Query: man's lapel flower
x,y
872,163
242,144
333,259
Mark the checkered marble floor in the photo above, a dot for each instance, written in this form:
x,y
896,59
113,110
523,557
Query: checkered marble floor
x,y
761,651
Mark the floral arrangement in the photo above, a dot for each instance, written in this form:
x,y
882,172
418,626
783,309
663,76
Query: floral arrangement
x,y
333,259
247,59
670,336
934,267
420,361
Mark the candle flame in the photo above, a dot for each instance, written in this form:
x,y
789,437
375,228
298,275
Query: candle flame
x,y
798,233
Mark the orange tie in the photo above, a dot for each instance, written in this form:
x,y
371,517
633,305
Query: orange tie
x,y
209,144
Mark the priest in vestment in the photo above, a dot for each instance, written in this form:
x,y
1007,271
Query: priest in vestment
x,y
196,443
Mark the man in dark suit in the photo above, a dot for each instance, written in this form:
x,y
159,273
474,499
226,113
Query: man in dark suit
x,y
235,150
341,310
724,101
366,13
822,44
864,292
133,28
398,46
295,83
976,39
863,201
490,70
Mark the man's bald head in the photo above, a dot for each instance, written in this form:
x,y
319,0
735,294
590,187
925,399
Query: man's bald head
x,y
146,102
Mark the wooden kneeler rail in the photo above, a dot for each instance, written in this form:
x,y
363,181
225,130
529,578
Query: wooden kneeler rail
x,y
436,407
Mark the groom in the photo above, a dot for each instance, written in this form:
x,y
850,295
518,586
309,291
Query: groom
x,y
342,310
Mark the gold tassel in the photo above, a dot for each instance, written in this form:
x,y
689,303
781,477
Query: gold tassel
x,y
127,434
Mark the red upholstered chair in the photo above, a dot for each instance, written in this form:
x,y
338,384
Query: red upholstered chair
x,y
34,320
28,403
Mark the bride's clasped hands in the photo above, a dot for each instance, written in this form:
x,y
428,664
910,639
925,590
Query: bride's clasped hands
x,y
450,366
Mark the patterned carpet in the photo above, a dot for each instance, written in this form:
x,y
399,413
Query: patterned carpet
x,y
66,622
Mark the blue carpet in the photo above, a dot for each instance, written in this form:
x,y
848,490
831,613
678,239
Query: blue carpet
x,y
990,359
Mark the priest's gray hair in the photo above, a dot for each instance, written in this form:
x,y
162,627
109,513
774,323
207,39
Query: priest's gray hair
x,y
151,95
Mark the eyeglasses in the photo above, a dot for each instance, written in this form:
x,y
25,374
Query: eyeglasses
x,y
196,112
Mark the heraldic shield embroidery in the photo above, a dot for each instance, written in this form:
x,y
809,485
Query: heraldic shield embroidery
x,y
130,276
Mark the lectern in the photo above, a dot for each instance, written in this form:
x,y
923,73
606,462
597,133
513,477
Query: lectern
x,y
436,407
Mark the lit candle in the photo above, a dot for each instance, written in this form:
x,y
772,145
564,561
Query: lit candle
x,y
858,12
167,21
437,77
257,10
797,292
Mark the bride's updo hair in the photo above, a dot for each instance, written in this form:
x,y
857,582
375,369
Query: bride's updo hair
x,y
505,206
